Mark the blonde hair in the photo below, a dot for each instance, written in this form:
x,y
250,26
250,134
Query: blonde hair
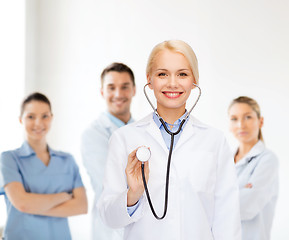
x,y
254,105
178,46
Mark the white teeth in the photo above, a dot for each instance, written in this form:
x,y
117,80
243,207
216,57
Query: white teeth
x,y
172,94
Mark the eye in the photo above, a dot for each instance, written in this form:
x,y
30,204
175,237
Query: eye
x,y
110,88
248,117
233,119
124,87
161,74
45,116
182,74
30,117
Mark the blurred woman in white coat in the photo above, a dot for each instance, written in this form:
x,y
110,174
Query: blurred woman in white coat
x,y
203,191
257,169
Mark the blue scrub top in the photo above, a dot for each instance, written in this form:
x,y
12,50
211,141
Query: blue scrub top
x,y
61,175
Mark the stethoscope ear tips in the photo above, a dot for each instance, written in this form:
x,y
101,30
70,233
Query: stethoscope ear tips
x,y
143,154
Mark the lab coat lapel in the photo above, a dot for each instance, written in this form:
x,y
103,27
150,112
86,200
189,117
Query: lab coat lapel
x,y
108,124
155,132
186,134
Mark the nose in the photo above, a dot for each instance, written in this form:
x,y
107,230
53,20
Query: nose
x,y
38,121
118,93
173,81
241,123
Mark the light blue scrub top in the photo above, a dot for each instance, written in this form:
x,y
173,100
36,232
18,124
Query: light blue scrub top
x,y
61,175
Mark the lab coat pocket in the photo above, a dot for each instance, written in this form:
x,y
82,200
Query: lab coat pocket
x,y
198,169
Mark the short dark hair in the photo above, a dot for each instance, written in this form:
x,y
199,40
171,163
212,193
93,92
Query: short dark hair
x,y
36,96
117,67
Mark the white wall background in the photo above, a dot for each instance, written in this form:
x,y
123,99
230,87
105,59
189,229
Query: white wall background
x,y
242,47
12,69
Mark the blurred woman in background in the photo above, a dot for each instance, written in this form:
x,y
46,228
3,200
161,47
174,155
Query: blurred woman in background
x,y
257,169
42,186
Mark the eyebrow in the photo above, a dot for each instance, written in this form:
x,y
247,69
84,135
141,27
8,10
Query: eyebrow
x,y
234,115
183,69
32,113
112,84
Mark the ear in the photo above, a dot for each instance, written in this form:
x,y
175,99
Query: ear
x,y
261,122
149,81
101,91
20,120
134,91
194,81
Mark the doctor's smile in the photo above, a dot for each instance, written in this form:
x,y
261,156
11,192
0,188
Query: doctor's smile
x,y
172,94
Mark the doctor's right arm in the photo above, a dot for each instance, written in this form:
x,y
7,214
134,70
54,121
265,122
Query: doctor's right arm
x,y
116,191
134,178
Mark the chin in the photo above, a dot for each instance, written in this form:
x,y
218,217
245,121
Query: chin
x,y
37,137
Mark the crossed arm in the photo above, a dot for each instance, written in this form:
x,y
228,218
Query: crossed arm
x,y
55,205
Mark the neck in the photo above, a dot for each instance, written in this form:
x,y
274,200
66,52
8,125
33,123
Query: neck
x,y
38,146
244,148
123,117
171,115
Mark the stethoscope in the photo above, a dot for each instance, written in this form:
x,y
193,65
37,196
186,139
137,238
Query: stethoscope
x,y
143,153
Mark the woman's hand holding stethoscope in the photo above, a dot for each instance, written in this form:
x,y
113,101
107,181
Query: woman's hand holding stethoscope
x,y
137,169
134,178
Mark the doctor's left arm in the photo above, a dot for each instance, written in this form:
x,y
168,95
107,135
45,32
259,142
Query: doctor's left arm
x,y
227,221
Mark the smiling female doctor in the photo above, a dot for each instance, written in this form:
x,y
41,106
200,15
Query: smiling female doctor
x,y
203,191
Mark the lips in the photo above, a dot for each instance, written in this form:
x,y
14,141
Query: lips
x,y
119,102
38,131
172,94
242,133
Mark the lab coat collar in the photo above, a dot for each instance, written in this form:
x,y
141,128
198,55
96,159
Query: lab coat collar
x,y
159,123
154,131
189,130
191,120
256,150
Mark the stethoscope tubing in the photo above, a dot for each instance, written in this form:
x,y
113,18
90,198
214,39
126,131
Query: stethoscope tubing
x,y
167,176
169,156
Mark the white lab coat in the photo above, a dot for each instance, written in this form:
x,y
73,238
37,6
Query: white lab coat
x,y
203,191
94,148
260,168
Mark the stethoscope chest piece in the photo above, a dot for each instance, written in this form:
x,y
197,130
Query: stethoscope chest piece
x,y
143,154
